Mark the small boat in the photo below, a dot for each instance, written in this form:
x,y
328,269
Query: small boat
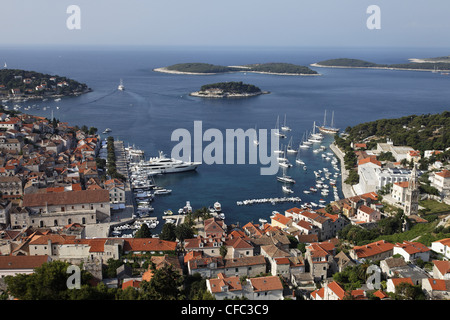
x,y
306,191
286,189
107,130
58,99
168,212
162,191
121,87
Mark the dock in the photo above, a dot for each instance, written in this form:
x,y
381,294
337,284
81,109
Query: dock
x,y
179,218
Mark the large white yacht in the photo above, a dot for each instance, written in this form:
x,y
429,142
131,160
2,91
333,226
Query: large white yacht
x,y
162,164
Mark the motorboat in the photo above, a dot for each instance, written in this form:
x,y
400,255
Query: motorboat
x,y
162,191
121,87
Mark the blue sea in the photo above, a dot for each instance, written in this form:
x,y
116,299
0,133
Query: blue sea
x,y
155,104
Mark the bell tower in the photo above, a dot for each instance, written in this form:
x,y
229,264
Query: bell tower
x,y
412,194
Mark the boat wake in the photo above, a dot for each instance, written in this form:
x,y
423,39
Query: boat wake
x,y
100,98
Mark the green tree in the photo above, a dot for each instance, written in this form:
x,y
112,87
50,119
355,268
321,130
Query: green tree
x,y
143,232
184,231
164,285
48,282
168,232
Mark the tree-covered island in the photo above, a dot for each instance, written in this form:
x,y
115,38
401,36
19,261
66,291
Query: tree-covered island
x,y
230,89
267,68
356,63
16,84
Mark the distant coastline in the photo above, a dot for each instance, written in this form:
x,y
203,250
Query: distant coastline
x,y
379,68
413,65
282,69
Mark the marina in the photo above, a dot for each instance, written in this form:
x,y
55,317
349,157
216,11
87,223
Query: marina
x,y
143,115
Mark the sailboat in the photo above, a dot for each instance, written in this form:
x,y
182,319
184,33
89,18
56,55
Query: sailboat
x,y
285,127
315,137
331,129
304,145
284,178
298,160
5,66
121,87
277,129
289,147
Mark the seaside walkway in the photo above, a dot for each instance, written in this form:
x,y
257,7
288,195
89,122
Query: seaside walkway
x,y
347,190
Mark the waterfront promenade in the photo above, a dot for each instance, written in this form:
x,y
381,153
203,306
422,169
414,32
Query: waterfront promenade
x,y
101,230
347,189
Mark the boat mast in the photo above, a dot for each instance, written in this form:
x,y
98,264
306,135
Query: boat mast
x,y
324,118
332,119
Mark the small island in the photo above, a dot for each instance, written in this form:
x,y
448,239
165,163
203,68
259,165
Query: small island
x,y
264,68
18,85
414,65
230,89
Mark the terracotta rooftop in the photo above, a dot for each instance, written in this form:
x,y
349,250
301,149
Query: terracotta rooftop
x,y
22,262
65,198
266,283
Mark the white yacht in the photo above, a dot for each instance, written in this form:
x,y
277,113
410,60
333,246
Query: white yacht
x,y
162,164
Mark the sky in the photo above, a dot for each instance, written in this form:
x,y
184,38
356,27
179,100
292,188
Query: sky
x,y
287,23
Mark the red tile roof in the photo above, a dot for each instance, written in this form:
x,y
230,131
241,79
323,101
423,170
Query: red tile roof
x,y
22,262
373,249
337,289
412,247
442,266
282,219
148,244
439,284
397,281
131,283
232,283
266,283
444,173
65,198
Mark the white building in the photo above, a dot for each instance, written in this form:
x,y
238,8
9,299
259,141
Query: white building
x,y
441,181
442,246
411,251
398,152
13,265
373,178
261,288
